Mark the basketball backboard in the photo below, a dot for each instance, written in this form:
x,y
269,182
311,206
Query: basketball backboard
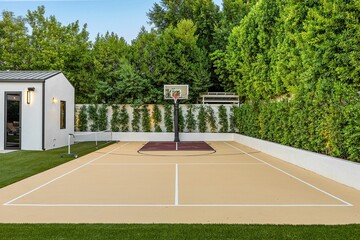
x,y
176,91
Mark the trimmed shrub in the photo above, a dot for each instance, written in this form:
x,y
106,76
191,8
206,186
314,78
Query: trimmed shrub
x,y
232,118
169,121
157,118
202,118
223,119
103,118
124,119
115,119
145,120
323,118
181,120
211,119
135,122
190,120
83,119
93,117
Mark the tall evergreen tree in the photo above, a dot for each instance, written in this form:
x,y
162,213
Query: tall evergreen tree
x,y
13,42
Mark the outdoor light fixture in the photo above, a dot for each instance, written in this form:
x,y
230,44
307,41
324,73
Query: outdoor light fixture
x,y
28,94
54,100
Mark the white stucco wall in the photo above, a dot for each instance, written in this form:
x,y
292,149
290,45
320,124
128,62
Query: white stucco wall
x,y
58,87
184,108
31,114
340,170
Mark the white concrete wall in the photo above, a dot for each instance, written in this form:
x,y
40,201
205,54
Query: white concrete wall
x,y
184,108
31,114
141,136
342,171
58,87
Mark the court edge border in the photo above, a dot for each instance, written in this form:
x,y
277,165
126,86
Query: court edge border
x,y
176,204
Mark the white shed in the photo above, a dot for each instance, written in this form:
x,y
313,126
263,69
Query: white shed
x,y
36,110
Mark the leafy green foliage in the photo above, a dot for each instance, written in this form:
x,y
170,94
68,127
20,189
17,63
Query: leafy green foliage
x,y
295,65
103,118
172,58
181,120
124,119
190,120
145,119
135,122
223,119
157,118
125,86
202,119
115,119
169,121
93,117
323,120
204,13
233,120
211,119
83,119
13,42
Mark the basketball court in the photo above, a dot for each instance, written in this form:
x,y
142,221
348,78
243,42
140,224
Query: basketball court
x,y
212,182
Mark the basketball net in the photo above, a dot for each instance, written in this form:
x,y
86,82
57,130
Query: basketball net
x,y
175,95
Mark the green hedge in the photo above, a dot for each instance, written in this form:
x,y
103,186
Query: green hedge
x,y
323,118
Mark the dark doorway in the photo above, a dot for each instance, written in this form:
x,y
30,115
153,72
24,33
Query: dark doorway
x,y
12,120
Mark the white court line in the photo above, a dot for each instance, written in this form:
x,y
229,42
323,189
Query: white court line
x,y
55,179
176,202
300,180
161,164
173,205
176,185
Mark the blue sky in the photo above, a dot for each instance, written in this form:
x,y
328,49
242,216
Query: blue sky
x,y
123,17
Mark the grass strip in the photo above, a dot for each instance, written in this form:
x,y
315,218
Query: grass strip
x,y
177,231
19,165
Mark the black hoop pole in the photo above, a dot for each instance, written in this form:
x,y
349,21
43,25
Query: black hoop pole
x,y
176,121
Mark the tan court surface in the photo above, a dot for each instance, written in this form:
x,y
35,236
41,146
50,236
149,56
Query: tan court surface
x,y
234,185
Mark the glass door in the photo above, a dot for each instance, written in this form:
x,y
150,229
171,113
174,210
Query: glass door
x,y
12,121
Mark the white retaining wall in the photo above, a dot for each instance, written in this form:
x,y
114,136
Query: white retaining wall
x,y
184,108
340,170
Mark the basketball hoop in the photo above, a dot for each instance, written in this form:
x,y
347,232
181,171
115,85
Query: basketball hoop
x,y
176,92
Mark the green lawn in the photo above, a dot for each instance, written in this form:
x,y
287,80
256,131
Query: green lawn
x,y
181,231
22,164
18,165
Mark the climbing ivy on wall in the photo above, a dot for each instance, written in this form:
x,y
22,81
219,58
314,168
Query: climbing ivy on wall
x,y
181,120
190,120
211,119
157,118
93,117
232,119
169,124
124,119
102,117
202,117
145,119
83,119
115,119
135,122
223,119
